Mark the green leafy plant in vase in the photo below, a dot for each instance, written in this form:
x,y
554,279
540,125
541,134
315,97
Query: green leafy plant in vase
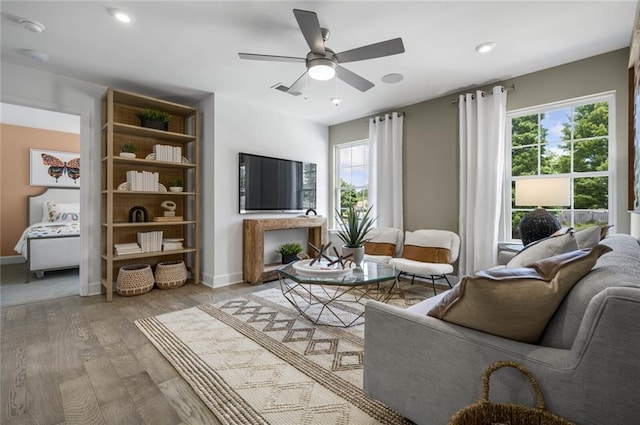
x,y
152,118
175,185
353,227
128,150
289,252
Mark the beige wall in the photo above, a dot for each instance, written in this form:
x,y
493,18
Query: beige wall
x,y
431,136
14,164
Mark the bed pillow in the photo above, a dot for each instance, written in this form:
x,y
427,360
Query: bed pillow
x,y
544,248
58,212
516,303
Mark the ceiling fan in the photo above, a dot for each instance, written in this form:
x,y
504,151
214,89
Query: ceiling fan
x,y
322,62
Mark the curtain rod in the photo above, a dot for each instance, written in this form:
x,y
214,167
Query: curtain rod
x,y
508,88
382,118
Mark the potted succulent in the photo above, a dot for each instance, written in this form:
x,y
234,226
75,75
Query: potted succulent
x,y
128,150
152,118
289,252
352,229
175,185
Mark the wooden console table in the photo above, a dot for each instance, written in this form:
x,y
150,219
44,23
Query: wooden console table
x,y
253,267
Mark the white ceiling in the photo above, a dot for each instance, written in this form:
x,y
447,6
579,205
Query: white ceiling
x,y
184,50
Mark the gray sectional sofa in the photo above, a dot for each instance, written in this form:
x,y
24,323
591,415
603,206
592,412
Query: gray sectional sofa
x,y
587,362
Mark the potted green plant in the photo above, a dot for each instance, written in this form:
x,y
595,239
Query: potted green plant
x,y
128,150
353,227
152,118
289,252
175,185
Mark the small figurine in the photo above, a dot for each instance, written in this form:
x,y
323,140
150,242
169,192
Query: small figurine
x,y
170,208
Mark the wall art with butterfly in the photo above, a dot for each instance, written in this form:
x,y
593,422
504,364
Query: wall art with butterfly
x,y
54,168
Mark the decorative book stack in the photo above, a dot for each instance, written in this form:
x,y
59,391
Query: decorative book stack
x,y
169,244
150,241
168,153
126,248
145,181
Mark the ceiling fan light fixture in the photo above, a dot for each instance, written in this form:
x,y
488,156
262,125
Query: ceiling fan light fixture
x,y
321,69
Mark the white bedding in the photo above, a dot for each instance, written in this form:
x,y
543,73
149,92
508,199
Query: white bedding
x,y
45,229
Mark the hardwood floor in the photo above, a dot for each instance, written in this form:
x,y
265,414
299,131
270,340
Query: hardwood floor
x,y
82,360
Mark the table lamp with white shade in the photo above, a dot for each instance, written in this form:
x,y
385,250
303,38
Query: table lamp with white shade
x,y
543,192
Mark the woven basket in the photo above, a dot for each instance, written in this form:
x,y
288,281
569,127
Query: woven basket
x,y
483,412
171,274
134,279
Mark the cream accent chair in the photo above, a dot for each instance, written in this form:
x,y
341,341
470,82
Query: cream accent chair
x,y
429,254
383,244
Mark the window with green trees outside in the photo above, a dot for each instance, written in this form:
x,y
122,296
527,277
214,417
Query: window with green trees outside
x,y
352,175
570,139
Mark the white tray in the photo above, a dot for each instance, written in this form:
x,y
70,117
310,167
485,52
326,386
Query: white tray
x,y
321,269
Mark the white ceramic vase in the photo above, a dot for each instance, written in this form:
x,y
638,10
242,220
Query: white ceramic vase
x,y
127,155
175,189
358,254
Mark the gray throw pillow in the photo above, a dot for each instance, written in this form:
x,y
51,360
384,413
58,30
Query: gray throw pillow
x,y
545,248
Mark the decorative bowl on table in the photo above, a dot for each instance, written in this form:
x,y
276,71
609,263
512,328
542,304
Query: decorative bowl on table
x,y
322,268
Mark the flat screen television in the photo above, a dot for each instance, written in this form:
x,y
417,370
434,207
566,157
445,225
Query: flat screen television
x,y
276,185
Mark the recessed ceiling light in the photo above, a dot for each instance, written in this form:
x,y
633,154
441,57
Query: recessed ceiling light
x,y
336,100
485,47
34,55
120,15
392,78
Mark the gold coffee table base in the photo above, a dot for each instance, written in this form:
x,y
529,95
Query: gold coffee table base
x,y
340,301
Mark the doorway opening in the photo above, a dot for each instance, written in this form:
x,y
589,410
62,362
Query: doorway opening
x,y
39,154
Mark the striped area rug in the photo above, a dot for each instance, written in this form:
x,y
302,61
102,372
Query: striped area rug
x,y
254,360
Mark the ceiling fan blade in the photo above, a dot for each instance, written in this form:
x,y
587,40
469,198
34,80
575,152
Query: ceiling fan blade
x,y
310,27
298,85
377,50
285,89
353,80
271,58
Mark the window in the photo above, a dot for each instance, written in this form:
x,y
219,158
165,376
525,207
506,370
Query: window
x,y
352,175
571,139
308,185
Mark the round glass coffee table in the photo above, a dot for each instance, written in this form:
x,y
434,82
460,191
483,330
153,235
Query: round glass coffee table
x,y
336,298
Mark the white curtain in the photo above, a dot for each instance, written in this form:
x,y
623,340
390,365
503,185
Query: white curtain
x,y
482,160
385,169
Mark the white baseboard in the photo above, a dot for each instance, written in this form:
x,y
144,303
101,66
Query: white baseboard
x,y
94,288
12,259
226,280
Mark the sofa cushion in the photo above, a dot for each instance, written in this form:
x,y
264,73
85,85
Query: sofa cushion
x,y
544,248
516,303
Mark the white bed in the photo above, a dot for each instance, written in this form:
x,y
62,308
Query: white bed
x,y
58,250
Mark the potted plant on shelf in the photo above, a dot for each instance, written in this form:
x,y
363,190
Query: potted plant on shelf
x,y
289,252
128,150
352,230
175,185
152,118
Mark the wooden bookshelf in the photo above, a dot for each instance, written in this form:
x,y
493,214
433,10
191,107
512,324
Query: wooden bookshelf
x,y
120,124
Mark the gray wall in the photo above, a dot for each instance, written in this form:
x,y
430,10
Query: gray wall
x,y
431,136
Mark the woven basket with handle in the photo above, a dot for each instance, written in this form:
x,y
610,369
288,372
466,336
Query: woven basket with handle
x,y
484,412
